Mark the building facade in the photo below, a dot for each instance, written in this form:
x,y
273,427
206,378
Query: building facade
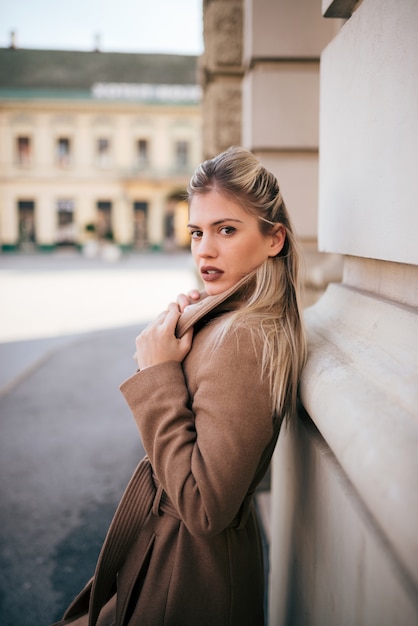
x,y
96,147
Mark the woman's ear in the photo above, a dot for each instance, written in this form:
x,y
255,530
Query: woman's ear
x,y
278,237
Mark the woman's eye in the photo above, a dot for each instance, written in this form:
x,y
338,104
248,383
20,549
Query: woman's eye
x,y
227,230
195,234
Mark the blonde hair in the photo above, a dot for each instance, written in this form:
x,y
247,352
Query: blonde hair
x,y
274,301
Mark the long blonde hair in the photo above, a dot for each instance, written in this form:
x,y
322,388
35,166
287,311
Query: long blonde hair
x,y
274,302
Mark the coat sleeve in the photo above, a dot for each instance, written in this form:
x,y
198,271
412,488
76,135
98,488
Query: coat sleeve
x,y
205,445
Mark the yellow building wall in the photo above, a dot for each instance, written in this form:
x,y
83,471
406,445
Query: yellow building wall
x,y
85,179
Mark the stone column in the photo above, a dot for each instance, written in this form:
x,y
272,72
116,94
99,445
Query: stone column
x,y
9,227
156,219
45,219
221,75
123,221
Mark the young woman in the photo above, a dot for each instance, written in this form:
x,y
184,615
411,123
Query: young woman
x,y
217,376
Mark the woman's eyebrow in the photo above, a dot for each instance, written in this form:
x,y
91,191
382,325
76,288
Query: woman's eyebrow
x,y
225,219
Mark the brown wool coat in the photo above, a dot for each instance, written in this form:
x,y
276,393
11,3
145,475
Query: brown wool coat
x,y
208,431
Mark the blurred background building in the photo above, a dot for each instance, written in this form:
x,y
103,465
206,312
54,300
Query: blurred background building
x,y
96,147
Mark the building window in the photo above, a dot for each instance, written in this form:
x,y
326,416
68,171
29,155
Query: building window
x,y
182,154
24,151
103,152
63,151
66,230
142,152
140,225
104,220
26,216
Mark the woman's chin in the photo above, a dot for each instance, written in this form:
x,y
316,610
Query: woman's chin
x,y
214,289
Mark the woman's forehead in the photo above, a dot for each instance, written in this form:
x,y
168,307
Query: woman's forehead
x,y
215,206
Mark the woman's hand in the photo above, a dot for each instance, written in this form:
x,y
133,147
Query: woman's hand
x,y
183,300
157,343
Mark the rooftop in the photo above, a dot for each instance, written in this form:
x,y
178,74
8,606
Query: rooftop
x,y
61,73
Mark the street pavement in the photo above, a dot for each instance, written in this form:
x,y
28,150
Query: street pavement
x,y
68,443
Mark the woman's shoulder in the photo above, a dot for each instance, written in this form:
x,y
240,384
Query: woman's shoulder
x,y
234,337
228,359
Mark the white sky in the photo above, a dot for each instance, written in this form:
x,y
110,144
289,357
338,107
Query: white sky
x,y
172,26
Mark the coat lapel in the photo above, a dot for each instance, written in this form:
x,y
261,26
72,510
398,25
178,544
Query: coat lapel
x,y
197,311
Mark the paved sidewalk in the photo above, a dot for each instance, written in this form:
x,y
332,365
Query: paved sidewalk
x,y
46,299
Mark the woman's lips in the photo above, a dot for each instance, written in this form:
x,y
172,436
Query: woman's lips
x,y
209,273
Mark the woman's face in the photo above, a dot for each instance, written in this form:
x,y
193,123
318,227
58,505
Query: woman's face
x,y
226,240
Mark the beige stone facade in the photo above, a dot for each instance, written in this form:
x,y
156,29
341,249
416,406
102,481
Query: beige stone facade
x,y
358,472
106,164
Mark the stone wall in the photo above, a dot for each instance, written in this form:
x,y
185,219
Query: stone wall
x,y
345,505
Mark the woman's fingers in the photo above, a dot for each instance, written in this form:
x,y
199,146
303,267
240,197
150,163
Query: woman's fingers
x,y
194,294
186,341
184,300
158,343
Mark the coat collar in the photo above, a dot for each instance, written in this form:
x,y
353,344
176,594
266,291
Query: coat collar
x,y
197,311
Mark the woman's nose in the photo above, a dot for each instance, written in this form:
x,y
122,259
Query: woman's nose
x,y
207,247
